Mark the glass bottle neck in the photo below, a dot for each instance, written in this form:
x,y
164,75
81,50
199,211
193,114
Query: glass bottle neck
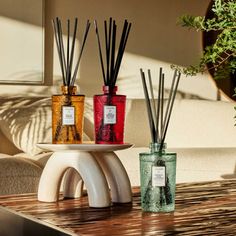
x,y
109,90
68,90
156,147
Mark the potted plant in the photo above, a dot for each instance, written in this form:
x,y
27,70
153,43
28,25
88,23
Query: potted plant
x,y
219,57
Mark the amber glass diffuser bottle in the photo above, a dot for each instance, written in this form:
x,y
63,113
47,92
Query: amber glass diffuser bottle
x,y
67,116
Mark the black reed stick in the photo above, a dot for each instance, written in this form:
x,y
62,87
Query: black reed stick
x,y
109,49
100,51
170,98
107,39
149,109
56,33
113,49
170,111
158,107
152,95
68,51
162,103
72,51
80,52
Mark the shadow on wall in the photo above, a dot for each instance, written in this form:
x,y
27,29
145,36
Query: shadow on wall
x,y
18,13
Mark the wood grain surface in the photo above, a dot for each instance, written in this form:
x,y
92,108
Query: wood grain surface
x,y
201,209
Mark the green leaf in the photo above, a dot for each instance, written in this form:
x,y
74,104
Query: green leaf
x,y
221,54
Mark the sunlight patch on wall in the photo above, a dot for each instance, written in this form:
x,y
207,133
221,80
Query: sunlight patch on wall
x,y
21,51
129,82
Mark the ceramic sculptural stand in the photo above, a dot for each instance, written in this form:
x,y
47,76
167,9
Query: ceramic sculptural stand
x,y
94,164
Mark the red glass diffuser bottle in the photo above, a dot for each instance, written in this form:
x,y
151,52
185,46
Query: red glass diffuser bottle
x,y
109,108
109,116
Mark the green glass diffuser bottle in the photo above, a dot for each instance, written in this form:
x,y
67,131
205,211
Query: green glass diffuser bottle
x,y
158,179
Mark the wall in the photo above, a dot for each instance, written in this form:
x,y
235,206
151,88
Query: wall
x,y
21,24
155,40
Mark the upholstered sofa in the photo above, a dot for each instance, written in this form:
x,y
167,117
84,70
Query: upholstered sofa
x,y
201,132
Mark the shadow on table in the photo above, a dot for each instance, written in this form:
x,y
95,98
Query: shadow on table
x,y
230,176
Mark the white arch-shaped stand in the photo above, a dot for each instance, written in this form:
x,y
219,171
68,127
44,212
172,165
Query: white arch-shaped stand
x,y
87,167
94,164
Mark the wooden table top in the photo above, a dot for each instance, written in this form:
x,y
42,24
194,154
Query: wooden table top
x,y
201,209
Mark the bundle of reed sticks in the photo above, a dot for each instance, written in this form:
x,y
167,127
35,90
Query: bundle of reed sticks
x,y
69,68
158,115
112,61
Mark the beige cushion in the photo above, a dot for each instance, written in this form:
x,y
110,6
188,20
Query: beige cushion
x,y
6,146
26,121
194,123
39,159
18,175
202,124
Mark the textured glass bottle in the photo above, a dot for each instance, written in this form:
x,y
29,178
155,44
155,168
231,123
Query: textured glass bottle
x,y
157,179
67,116
109,116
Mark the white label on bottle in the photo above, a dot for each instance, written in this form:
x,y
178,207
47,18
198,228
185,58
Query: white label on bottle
x,y
158,176
109,115
68,115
